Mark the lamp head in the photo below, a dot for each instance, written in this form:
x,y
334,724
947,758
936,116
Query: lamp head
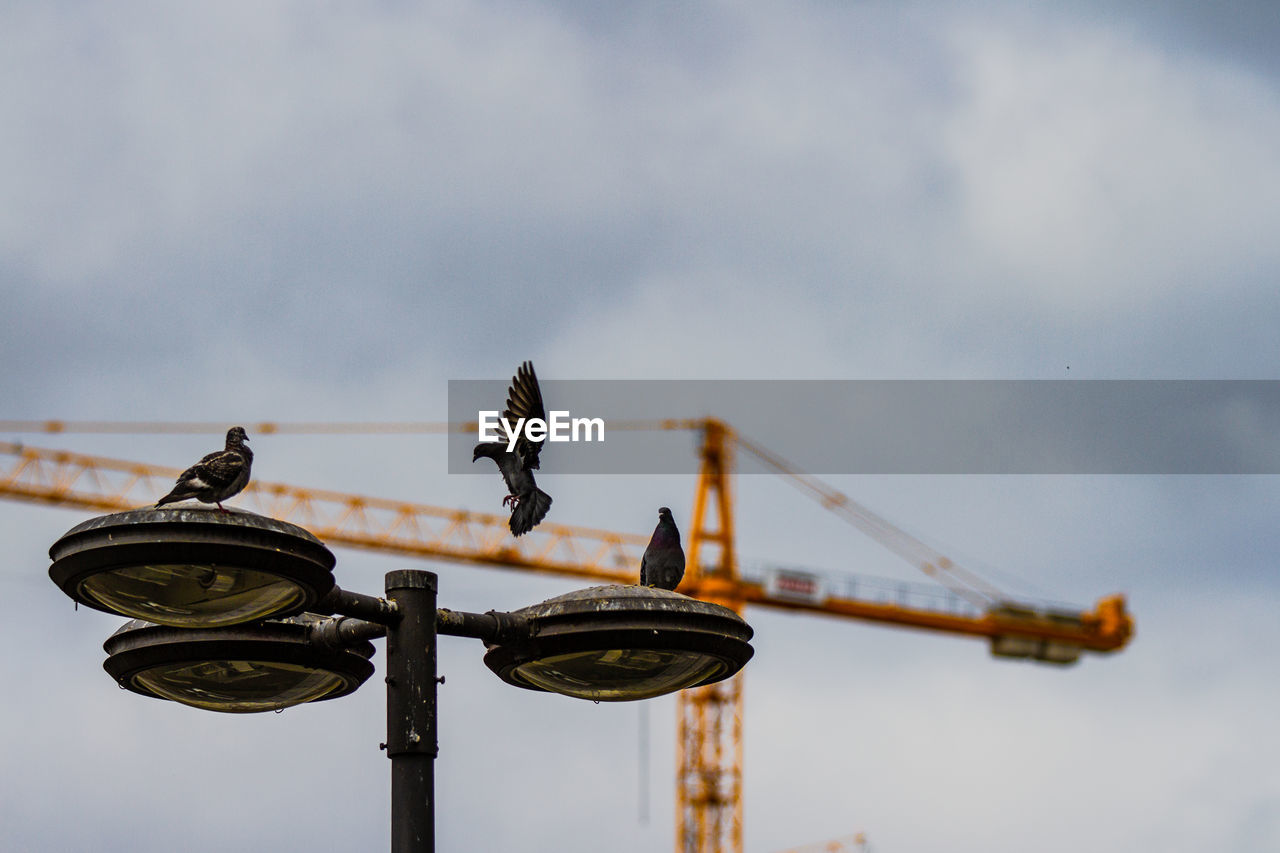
x,y
620,643
192,567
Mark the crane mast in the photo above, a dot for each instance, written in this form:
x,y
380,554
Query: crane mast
x,y
709,719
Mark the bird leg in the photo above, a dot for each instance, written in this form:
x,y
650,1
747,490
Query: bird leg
x,y
511,501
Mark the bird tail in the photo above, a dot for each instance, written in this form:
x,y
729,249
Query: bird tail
x,y
529,512
173,497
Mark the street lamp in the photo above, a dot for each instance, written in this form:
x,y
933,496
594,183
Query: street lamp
x,y
192,567
620,643
266,666
210,583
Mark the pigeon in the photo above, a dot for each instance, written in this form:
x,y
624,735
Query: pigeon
x,y
528,503
663,562
217,476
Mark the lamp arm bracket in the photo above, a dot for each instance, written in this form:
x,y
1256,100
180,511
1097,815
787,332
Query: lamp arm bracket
x,y
342,631
492,627
371,608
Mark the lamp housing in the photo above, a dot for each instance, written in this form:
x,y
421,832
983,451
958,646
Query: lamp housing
x,y
191,566
267,666
619,643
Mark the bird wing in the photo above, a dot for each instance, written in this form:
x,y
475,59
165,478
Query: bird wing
x,y
218,468
524,400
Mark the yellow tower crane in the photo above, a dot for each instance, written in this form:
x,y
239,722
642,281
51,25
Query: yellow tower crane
x,y
709,760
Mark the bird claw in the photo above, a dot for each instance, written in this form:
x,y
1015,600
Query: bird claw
x,y
511,501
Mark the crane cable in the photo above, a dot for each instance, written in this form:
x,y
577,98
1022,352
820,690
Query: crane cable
x,y
960,580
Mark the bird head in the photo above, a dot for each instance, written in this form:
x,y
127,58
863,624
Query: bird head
x,y
237,435
663,512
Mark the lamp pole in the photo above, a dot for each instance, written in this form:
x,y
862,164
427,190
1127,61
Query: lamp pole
x,y
411,709
411,622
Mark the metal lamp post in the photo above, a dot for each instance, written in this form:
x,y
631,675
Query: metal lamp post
x,y
234,612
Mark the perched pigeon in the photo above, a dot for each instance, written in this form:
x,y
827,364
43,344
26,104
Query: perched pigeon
x,y
528,503
663,562
217,476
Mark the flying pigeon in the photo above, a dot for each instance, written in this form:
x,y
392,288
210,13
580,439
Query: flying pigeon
x,y
217,476
663,562
528,503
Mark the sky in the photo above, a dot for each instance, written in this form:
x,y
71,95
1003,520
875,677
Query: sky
x,y
325,212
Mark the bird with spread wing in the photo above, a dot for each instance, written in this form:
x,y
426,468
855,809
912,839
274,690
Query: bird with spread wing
x,y
528,503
